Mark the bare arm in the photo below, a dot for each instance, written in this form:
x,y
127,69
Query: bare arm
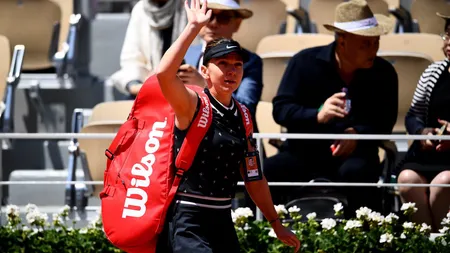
x,y
260,194
182,99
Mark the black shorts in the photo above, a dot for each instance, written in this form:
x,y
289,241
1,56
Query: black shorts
x,y
190,228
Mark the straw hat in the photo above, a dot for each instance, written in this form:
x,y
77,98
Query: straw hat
x,y
230,5
356,17
442,15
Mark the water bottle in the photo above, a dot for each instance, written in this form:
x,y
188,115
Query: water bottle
x,y
347,101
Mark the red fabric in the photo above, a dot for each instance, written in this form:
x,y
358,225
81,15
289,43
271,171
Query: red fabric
x,y
139,181
247,120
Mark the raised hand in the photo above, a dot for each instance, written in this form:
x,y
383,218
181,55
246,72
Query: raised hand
x,y
197,15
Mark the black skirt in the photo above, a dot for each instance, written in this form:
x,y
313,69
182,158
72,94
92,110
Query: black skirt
x,y
428,163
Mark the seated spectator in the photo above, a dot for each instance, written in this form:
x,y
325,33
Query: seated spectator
x,y
153,26
428,161
310,100
225,21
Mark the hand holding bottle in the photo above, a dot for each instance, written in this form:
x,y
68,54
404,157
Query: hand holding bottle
x,y
334,107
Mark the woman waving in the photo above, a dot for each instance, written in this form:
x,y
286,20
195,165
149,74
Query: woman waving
x,y
200,217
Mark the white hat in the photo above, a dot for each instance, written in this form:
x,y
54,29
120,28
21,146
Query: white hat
x,y
230,5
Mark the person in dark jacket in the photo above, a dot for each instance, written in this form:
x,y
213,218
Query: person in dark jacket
x,y
310,99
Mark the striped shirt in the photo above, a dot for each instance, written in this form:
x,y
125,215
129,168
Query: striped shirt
x,y
417,117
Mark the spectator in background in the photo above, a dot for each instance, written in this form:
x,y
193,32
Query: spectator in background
x,y
153,26
226,19
429,161
310,100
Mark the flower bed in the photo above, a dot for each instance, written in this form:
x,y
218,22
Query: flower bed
x,y
367,232
38,235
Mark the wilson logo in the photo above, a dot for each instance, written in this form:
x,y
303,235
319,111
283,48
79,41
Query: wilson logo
x,y
247,119
136,196
203,122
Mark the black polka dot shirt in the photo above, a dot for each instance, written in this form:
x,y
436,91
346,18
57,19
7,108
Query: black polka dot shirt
x,y
215,169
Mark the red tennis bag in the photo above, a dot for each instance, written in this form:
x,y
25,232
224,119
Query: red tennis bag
x,y
140,182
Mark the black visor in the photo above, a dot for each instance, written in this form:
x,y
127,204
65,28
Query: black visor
x,y
223,49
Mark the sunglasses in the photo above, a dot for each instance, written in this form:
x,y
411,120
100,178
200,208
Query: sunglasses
x,y
223,18
445,36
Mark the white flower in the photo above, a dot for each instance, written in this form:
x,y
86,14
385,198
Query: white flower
x,y
97,222
352,224
294,209
386,238
272,233
65,208
64,211
338,207
35,231
243,212
328,223
409,207
448,215
239,216
25,228
377,217
83,231
446,221
280,209
43,217
425,228
363,212
12,210
403,236
31,217
31,207
408,225
246,227
57,218
390,218
443,230
233,216
311,216
36,216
